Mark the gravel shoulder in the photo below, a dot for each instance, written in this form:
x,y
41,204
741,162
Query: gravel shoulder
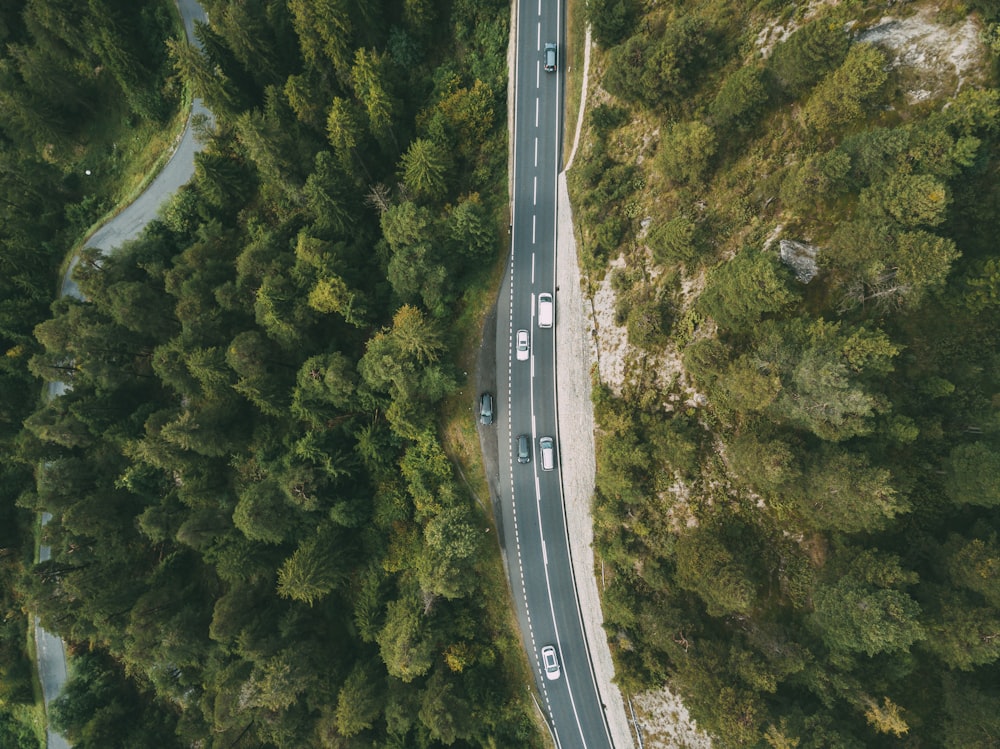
x,y
576,453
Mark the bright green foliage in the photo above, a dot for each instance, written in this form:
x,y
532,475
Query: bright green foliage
x,y
311,573
332,294
860,247
370,86
402,360
686,151
742,291
843,492
910,199
886,718
674,241
343,129
707,567
865,611
746,387
406,649
407,224
740,100
358,702
261,513
807,55
470,228
468,113
451,545
324,30
840,98
923,260
423,169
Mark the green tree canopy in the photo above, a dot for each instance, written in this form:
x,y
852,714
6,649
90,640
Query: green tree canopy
x,y
866,610
973,474
742,291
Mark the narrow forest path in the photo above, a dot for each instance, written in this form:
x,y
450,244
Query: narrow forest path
x,y
50,650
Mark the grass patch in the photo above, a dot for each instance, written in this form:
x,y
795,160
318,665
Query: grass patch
x,y
459,434
574,51
32,718
36,683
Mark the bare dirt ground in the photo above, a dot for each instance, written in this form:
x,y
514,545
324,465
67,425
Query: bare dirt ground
x,y
938,59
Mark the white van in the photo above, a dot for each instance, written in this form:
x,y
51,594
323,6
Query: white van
x,y
545,310
547,449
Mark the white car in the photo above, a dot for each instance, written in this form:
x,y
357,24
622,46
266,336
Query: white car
x,y
547,447
523,345
551,663
545,311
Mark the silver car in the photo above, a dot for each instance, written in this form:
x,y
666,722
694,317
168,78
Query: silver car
x,y
523,345
550,661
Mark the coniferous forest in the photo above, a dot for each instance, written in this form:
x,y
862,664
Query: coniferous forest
x,y
799,476
258,540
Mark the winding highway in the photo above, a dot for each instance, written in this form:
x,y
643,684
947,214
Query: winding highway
x,y
534,522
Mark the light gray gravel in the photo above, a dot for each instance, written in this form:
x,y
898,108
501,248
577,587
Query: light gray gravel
x,y
576,455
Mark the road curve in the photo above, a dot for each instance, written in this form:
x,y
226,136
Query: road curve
x,y
533,518
50,651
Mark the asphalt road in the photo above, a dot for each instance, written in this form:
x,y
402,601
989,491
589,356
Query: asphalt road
x,y
130,222
533,519
126,225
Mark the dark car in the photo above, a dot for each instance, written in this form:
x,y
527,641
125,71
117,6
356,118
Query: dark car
x,y
550,57
523,449
486,409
